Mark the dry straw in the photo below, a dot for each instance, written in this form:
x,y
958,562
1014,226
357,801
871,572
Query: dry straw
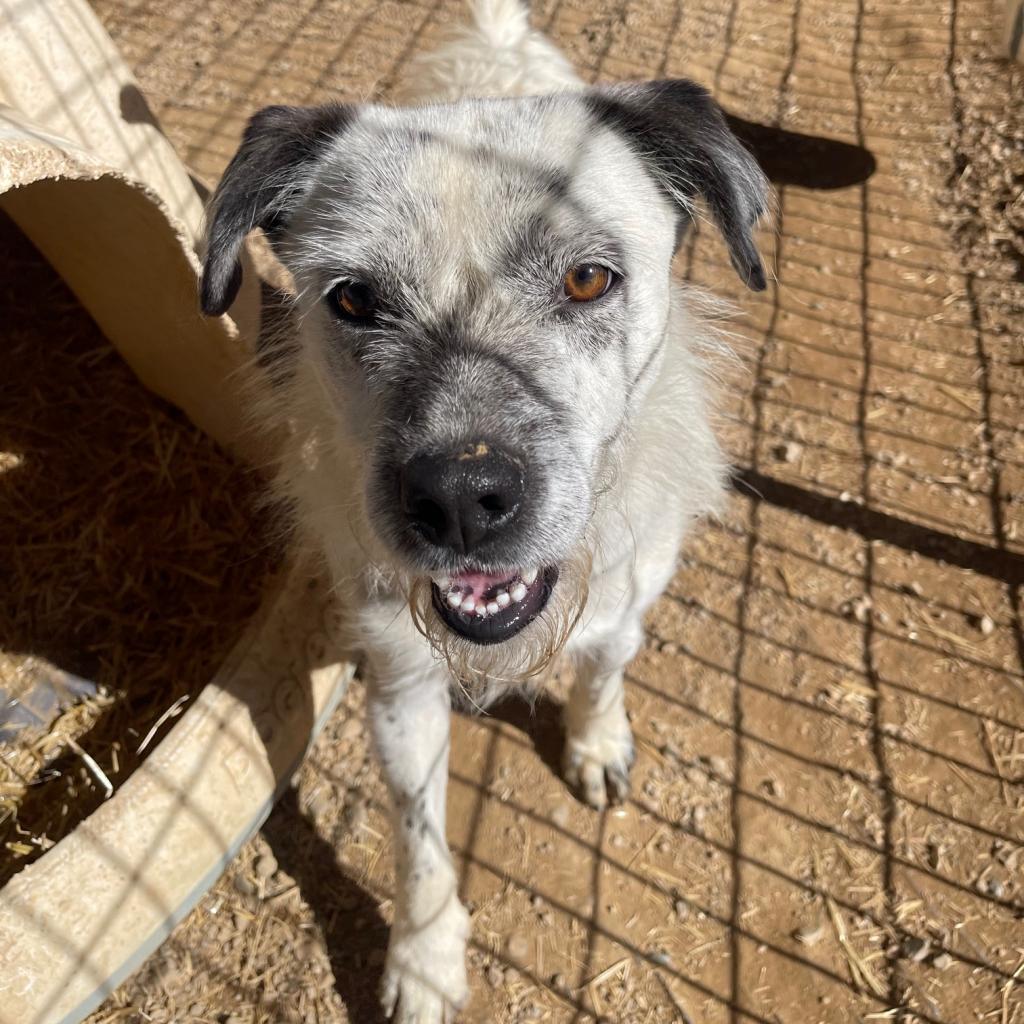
x,y
128,554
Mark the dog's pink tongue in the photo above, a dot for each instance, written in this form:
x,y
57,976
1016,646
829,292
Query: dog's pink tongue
x,y
480,584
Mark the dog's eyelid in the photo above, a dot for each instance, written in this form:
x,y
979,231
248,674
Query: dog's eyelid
x,y
346,277
609,260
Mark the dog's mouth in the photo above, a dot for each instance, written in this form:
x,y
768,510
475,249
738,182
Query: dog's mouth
x,y
490,608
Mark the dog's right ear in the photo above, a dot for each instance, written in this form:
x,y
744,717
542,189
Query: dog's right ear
x,y
260,188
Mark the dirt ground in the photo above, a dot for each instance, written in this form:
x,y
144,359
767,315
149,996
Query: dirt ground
x,y
828,808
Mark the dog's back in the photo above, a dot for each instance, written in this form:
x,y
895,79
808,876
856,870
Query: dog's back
x,y
497,53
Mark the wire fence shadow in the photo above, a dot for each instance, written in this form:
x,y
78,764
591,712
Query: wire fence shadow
x,y
821,807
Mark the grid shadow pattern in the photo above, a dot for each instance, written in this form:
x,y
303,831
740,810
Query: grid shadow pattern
x,y
827,802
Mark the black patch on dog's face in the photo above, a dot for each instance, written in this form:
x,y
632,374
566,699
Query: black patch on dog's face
x,y
261,186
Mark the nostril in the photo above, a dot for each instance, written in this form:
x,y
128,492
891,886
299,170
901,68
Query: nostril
x,y
430,516
492,503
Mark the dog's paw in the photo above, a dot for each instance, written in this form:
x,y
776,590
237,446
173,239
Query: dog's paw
x,y
425,973
597,766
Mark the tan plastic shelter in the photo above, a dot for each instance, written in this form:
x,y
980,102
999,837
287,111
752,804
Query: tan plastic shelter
x,y
88,176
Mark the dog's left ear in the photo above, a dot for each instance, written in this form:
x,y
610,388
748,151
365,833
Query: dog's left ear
x,y
681,134
260,187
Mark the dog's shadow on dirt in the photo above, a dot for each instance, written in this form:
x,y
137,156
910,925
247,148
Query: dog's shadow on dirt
x,y
540,721
355,934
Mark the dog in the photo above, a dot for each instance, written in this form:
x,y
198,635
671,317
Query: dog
x,y
497,403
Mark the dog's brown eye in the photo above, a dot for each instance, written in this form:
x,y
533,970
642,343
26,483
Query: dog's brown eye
x,y
587,282
354,300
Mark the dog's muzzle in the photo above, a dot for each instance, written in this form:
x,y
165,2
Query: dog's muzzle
x,y
490,608
465,505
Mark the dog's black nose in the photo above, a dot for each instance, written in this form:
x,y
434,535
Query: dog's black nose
x,y
458,499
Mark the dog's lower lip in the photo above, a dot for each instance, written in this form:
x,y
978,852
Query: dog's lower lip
x,y
503,624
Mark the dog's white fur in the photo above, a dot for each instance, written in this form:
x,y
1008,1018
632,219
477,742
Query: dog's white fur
x,y
669,472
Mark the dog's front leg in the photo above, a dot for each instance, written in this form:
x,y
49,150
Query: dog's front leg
x,y
598,740
425,972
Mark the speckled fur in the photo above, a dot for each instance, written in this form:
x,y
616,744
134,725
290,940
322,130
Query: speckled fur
x,y
466,214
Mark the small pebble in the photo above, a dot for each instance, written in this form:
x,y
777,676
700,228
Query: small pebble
x,y
495,976
661,958
265,866
857,608
682,909
788,452
560,815
916,949
986,625
518,946
991,887
942,961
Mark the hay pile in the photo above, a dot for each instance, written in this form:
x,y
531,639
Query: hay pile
x,y
128,556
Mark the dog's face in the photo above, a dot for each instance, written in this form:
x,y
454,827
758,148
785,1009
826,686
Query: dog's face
x,y
484,290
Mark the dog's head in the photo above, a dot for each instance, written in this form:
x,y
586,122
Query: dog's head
x,y
484,291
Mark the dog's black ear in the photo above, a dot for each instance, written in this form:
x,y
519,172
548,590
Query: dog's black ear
x,y
682,135
260,187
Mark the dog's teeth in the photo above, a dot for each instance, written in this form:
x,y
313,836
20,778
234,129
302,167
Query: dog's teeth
x,y
468,605
481,611
492,608
454,599
530,578
501,599
518,592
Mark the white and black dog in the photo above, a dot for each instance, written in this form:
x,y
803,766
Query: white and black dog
x,y
496,402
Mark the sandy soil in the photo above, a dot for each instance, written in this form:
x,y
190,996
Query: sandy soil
x,y
827,813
